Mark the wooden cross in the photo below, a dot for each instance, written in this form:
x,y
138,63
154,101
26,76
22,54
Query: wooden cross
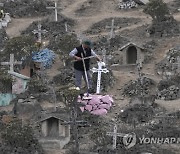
x,y
39,31
115,134
104,55
66,26
112,27
55,8
75,123
141,78
12,62
99,70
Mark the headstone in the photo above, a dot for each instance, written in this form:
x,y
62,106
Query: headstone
x,y
39,31
2,4
99,71
55,8
12,62
115,134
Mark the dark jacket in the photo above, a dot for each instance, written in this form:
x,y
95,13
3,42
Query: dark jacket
x,y
78,65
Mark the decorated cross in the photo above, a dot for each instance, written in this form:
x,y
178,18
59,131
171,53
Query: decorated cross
x,y
39,31
112,27
55,8
12,62
99,71
115,134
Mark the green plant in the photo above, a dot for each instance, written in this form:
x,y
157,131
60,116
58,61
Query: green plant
x,y
157,9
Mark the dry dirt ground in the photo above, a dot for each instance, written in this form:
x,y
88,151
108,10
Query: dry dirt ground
x,y
102,9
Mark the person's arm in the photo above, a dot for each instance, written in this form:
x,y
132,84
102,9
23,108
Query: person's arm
x,y
73,54
95,55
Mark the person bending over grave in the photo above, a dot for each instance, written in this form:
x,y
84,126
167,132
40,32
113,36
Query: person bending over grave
x,y
82,55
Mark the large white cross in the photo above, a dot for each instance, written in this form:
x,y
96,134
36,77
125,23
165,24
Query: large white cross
x,y
11,63
115,134
112,27
55,8
39,31
99,70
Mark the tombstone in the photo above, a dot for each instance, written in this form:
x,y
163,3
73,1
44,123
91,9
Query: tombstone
x,y
99,71
39,31
55,9
132,54
54,133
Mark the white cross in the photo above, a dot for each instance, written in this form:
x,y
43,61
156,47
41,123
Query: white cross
x,y
39,31
99,70
115,135
11,63
55,8
112,27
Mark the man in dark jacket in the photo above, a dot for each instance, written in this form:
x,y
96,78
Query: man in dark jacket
x,y
77,53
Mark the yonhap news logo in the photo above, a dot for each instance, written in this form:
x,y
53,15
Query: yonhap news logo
x,y
130,140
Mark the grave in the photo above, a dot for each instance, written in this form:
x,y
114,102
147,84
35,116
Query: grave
x,y
54,133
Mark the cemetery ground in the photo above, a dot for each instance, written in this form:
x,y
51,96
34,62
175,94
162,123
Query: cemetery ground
x,y
89,17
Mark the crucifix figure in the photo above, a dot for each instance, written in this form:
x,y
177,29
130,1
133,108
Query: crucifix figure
x,y
115,134
112,27
99,71
55,8
12,62
39,31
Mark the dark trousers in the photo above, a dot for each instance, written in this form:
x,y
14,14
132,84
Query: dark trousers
x,y
78,78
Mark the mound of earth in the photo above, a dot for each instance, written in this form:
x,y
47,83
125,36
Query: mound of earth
x,y
24,8
54,28
167,27
101,26
169,89
139,88
138,113
93,7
